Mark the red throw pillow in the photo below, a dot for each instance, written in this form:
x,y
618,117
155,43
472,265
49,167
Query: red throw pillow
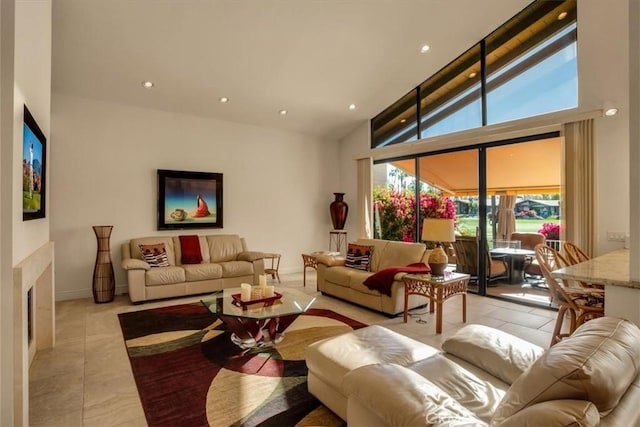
x,y
190,248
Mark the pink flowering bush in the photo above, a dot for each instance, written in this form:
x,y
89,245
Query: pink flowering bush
x,y
396,215
550,230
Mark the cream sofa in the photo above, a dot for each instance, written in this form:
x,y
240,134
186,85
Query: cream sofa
x,y
347,283
481,377
226,263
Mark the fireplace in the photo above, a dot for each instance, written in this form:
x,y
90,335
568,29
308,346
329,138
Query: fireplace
x,y
35,321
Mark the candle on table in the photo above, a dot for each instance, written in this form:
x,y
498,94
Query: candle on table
x,y
262,280
245,292
268,291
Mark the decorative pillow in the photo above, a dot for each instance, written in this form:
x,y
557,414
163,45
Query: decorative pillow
x,y
155,255
358,256
190,248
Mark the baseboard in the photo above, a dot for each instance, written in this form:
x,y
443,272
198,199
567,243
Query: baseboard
x,y
85,293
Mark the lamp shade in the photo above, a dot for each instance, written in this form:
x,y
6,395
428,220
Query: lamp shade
x,y
438,230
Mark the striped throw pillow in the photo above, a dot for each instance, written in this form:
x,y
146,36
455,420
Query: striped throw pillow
x,y
155,255
358,256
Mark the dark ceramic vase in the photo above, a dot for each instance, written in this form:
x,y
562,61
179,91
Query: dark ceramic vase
x,y
339,210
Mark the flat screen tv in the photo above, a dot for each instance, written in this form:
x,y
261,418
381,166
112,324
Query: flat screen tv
x,y
34,164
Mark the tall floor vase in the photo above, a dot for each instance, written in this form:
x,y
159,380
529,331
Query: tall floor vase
x,y
104,284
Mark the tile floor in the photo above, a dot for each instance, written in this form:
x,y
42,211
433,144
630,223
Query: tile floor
x,y
86,379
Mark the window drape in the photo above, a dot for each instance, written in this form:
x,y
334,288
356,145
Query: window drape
x,y
580,185
365,198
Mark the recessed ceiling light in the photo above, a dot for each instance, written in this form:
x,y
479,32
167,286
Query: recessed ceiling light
x,y
147,84
352,106
403,120
562,15
283,112
612,111
472,74
425,48
223,99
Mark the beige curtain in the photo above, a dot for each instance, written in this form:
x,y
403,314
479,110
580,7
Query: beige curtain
x,y
506,218
365,198
580,185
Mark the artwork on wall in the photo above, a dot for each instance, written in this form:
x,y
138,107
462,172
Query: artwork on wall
x,y
189,200
34,163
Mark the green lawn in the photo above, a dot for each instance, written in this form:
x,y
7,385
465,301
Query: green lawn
x,y
467,226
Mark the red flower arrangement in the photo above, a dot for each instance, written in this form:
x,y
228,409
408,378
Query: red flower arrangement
x,y
550,230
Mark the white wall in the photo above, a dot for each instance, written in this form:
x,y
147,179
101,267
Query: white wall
x,y
33,88
603,76
277,185
26,78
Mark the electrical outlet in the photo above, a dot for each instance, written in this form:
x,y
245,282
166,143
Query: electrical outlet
x,y
615,236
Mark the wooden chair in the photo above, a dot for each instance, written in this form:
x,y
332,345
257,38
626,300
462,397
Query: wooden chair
x,y
532,272
578,303
575,255
466,248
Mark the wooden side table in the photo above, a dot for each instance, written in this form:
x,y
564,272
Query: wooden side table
x,y
438,290
308,260
275,265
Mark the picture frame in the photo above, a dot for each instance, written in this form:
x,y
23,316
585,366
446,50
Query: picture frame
x,y
34,169
189,200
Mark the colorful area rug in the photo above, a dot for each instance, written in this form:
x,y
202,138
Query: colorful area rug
x,y
189,373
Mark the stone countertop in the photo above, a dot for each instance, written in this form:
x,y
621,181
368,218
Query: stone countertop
x,y
609,269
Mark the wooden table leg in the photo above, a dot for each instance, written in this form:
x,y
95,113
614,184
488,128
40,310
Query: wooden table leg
x,y
406,303
464,308
439,311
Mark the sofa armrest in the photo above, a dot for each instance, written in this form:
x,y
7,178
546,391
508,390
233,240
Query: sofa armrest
x,y
250,256
402,397
135,264
556,413
330,260
499,353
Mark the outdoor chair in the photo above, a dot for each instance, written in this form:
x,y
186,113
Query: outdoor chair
x,y
578,303
532,271
466,248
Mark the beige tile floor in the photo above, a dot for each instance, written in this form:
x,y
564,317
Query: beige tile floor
x,y
86,379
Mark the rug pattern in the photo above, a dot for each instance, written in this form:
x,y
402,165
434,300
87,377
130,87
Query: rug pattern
x,y
189,373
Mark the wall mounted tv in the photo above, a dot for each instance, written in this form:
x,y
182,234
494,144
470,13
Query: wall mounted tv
x,y
34,164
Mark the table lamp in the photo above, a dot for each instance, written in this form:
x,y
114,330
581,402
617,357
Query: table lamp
x,y
438,230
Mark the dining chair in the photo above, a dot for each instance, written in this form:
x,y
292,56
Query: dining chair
x,y
532,272
575,255
578,303
466,249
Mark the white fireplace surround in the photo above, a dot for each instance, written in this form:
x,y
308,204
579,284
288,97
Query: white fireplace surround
x,y
36,272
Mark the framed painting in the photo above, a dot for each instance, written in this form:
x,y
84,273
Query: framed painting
x,y
34,166
189,200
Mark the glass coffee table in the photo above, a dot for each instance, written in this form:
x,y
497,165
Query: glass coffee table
x,y
249,324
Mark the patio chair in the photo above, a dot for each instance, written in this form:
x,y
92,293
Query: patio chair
x,y
532,272
466,248
578,303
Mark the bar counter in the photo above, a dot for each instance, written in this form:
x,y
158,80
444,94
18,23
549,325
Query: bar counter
x,y
622,295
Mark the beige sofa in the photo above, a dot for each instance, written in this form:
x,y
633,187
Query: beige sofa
x,y
347,283
226,262
482,377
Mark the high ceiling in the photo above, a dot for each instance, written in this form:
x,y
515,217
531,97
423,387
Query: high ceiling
x,y
310,57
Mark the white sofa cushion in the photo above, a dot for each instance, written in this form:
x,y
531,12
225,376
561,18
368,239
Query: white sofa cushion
x,y
164,276
332,358
197,272
402,397
494,351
